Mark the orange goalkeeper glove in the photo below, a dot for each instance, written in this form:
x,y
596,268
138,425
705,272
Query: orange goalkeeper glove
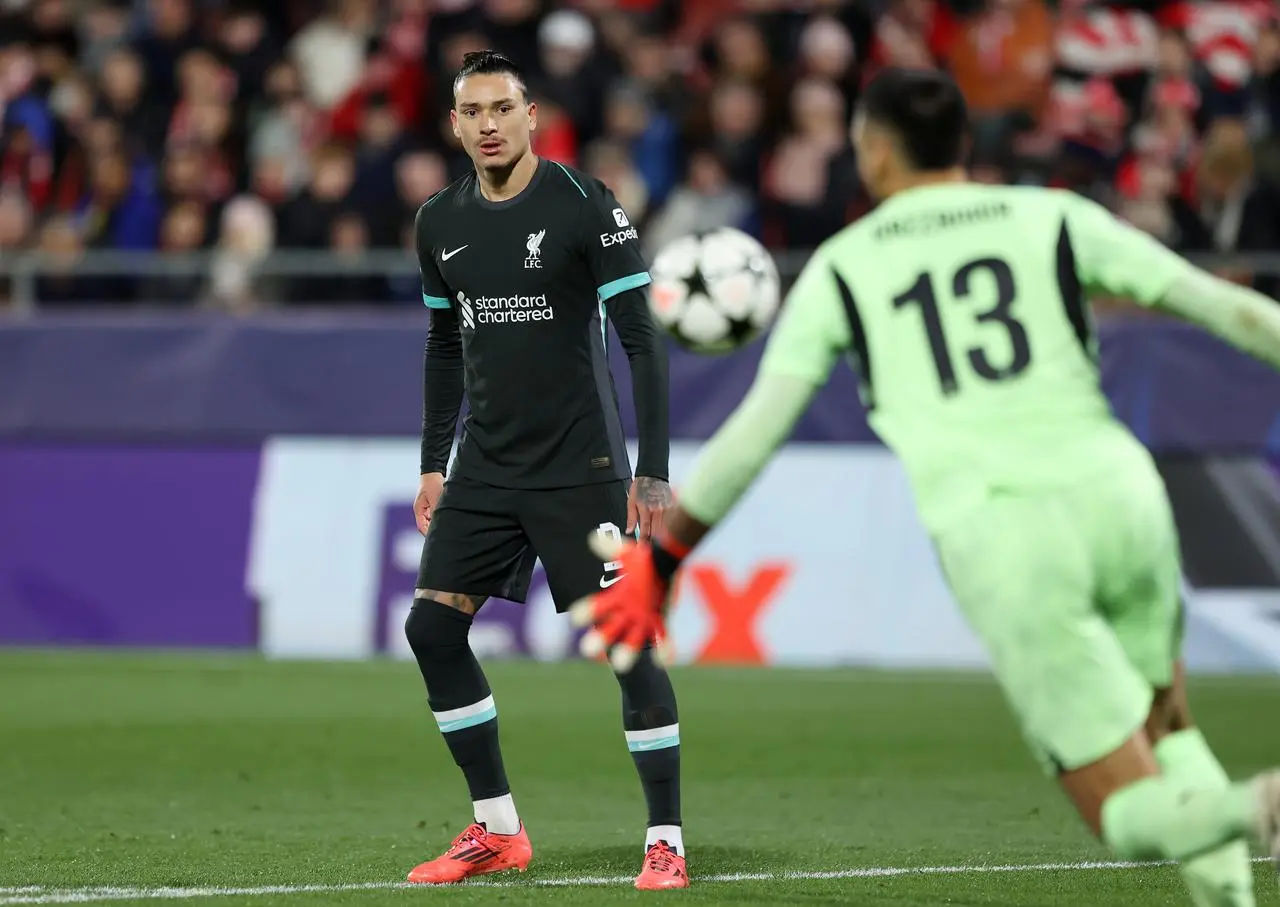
x,y
631,613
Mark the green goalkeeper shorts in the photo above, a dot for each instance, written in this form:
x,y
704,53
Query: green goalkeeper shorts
x,y
1076,595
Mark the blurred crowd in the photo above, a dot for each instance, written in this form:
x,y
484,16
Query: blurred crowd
x,y
238,127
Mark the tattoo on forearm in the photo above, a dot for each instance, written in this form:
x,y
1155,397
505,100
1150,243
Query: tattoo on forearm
x,y
653,493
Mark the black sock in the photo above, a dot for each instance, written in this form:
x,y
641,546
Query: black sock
x,y
651,722
455,684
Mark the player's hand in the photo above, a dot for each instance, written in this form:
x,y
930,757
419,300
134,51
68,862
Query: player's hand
x,y
628,615
430,487
647,501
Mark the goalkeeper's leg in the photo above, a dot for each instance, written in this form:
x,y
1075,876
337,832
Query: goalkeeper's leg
x,y
1222,877
1025,572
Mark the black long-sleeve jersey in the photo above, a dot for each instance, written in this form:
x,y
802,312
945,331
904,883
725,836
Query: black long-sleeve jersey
x,y
518,292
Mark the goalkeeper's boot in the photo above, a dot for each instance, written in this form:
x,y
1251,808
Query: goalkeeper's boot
x,y
477,851
663,868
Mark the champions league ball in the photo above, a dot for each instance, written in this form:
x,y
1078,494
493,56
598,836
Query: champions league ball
x,y
714,292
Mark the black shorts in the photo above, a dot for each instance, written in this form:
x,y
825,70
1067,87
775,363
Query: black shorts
x,y
483,540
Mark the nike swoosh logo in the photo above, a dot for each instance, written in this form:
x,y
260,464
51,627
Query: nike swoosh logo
x,y
445,256
607,581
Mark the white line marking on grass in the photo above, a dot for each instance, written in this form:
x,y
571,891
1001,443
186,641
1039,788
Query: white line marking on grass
x,y
41,895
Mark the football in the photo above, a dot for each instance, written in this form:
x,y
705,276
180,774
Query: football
x,y
714,292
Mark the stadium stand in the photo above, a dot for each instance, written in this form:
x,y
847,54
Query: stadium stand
x,y
214,134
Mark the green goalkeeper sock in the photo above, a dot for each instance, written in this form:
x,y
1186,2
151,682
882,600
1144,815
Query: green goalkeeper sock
x,y
1222,877
1164,818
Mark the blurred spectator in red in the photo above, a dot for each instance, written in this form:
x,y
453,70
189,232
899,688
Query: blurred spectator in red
x,y
913,33
1090,120
1222,34
1003,58
392,77
556,137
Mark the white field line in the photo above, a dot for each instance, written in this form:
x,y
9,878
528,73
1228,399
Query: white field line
x,y
34,894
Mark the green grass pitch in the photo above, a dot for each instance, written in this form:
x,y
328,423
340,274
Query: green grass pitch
x,y
125,778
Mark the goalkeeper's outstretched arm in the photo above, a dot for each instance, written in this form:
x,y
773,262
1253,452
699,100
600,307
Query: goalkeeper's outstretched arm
x,y
1242,317
1115,257
735,456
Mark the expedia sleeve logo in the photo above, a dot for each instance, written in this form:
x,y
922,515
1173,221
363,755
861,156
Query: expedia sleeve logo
x,y
617,239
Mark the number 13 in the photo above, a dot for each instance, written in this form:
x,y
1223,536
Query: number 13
x,y
922,293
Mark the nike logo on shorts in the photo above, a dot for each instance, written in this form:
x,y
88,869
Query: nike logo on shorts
x,y
445,256
607,581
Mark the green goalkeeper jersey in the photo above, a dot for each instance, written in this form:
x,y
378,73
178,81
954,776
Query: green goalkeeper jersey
x,y
962,308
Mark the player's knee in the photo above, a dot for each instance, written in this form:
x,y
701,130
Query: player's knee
x,y
434,629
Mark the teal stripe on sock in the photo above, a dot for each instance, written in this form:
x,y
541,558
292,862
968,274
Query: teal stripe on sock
x,y
459,724
662,743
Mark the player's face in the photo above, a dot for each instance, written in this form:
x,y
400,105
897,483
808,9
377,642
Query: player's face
x,y
493,120
875,154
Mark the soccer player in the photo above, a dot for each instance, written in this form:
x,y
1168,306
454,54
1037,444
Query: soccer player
x,y
963,310
520,261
